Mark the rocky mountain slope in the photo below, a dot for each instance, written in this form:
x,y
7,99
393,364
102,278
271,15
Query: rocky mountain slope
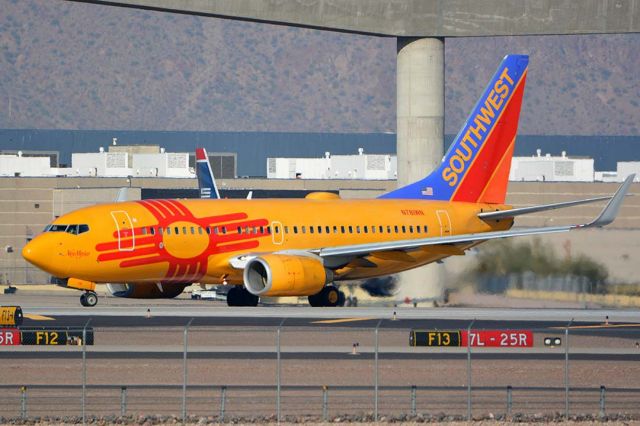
x,y
68,65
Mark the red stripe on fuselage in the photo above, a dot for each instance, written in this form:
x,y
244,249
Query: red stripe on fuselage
x,y
492,151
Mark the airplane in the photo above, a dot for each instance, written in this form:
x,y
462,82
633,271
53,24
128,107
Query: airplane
x,y
302,247
206,180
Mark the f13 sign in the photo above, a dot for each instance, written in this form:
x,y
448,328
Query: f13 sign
x,y
497,338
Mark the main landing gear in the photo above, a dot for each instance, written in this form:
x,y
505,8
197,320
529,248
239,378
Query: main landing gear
x,y
239,296
329,296
89,298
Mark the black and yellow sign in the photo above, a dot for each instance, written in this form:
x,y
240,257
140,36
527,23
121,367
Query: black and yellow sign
x,y
55,337
10,315
434,338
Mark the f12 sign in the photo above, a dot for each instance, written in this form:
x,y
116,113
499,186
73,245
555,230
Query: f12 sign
x,y
9,336
497,338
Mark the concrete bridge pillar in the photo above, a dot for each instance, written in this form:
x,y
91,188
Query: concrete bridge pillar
x,y
420,106
420,137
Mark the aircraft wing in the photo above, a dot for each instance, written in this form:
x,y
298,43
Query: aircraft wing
x,y
502,214
607,216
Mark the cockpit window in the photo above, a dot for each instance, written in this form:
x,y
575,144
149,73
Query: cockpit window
x,y
70,229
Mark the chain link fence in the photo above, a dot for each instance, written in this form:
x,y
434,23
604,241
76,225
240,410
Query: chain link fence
x,y
322,372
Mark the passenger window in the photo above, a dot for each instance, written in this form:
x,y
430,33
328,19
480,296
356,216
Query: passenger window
x,y
311,229
395,228
373,229
319,229
277,228
85,228
208,230
304,229
184,230
239,229
152,230
342,229
358,229
295,229
193,231
418,229
175,228
425,229
262,230
200,230
168,230
404,229
335,229
286,229
160,230
327,229
388,229
268,229
381,229
366,229
350,229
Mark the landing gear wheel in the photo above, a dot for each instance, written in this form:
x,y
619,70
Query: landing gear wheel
x,y
341,298
239,296
328,296
89,299
351,301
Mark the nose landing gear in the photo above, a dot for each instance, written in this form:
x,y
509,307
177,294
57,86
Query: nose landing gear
x,y
89,298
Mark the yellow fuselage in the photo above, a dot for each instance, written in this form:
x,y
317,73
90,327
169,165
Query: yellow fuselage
x,y
197,240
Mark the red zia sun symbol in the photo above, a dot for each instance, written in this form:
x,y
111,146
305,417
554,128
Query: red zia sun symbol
x,y
187,262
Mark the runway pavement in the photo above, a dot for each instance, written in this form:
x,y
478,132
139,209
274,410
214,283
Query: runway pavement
x,y
62,310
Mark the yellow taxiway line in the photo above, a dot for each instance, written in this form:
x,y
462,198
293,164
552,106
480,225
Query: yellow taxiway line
x,y
336,321
38,317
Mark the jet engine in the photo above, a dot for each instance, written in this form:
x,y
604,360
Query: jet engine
x,y
286,275
146,290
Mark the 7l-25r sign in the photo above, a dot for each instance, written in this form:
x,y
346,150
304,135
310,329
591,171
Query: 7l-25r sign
x,y
497,338
9,336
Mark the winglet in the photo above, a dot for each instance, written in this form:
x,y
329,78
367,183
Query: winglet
x,y
123,195
610,211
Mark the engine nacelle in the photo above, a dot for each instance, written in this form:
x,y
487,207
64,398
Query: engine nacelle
x,y
285,275
146,290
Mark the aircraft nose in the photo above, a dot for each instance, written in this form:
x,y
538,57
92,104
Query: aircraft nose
x,y
42,252
34,253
